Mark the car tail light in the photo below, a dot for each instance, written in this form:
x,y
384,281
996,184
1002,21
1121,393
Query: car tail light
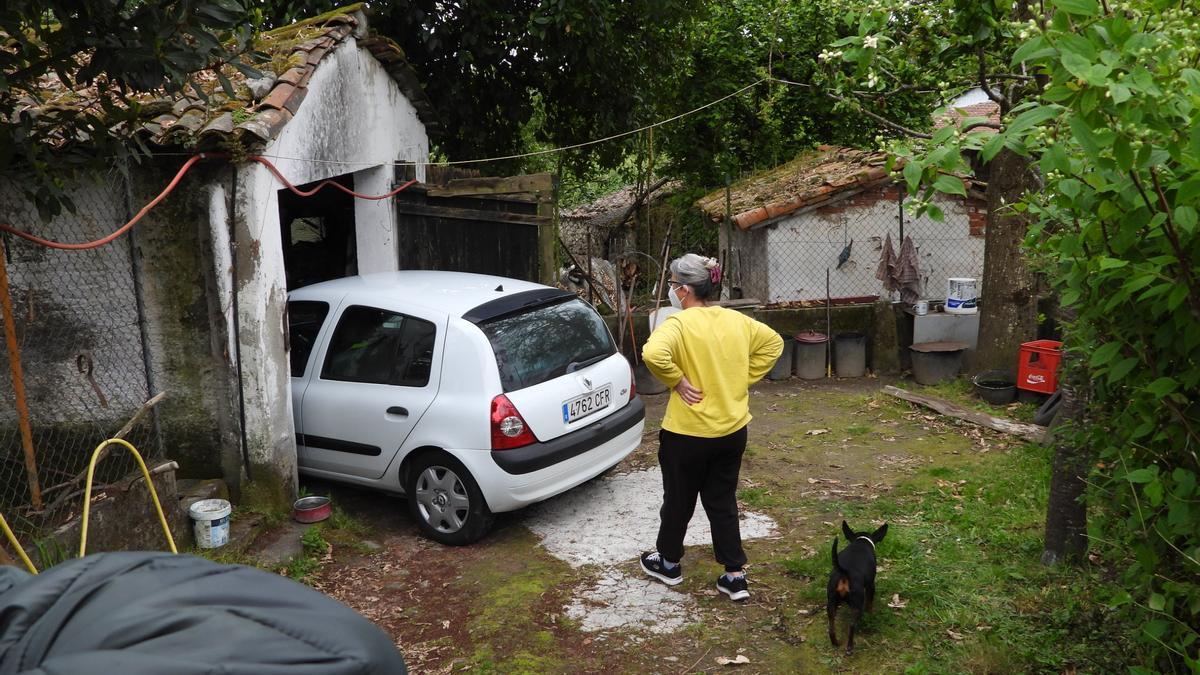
x,y
632,384
509,429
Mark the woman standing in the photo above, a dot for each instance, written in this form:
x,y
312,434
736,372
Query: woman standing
x,y
709,356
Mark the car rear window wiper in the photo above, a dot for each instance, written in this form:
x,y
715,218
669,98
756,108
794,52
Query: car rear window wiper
x,y
578,365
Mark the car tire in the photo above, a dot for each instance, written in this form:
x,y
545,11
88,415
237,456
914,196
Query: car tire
x,y
1045,414
445,501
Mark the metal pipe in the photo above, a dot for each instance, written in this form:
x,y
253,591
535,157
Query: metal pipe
x,y
237,331
143,329
18,378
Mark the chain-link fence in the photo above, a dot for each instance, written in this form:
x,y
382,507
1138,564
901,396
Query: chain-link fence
x,y
81,369
787,261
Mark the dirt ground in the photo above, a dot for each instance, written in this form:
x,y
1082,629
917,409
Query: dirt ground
x,y
507,605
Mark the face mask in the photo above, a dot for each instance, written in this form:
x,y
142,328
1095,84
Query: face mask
x,y
674,298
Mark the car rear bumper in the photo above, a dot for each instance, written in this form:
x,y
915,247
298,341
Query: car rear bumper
x,y
537,456
542,470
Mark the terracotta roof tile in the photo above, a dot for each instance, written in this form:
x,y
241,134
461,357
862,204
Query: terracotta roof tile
x,y
295,99
988,109
812,178
278,96
299,49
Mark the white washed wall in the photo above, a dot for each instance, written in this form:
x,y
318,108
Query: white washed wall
x,y
801,248
354,120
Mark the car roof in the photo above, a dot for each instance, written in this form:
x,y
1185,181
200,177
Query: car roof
x,y
450,293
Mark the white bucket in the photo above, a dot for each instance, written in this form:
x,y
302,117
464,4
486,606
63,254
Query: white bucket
x,y
921,307
961,296
210,522
658,316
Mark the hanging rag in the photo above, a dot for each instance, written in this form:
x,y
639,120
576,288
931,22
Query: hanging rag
x,y
886,271
908,272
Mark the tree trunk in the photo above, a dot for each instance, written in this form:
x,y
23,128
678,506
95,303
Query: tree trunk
x,y
1008,309
1066,512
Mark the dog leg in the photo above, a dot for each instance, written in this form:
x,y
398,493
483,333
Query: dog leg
x,y
853,623
831,609
871,596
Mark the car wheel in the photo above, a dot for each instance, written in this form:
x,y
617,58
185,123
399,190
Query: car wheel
x,y
1045,414
445,501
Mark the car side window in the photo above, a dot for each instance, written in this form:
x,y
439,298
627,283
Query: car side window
x,y
378,346
305,318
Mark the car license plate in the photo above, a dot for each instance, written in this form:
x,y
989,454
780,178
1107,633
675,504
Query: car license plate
x,y
591,402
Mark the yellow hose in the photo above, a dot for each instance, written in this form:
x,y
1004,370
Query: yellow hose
x,y
87,494
12,538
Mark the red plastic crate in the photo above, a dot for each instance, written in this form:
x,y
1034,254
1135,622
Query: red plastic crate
x,y
1038,368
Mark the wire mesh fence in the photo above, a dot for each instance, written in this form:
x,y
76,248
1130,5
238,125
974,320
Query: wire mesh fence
x,y
80,372
835,250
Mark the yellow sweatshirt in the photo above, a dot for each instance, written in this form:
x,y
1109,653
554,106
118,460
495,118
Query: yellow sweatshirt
x,y
722,352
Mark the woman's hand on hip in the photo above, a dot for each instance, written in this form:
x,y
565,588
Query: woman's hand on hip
x,y
690,394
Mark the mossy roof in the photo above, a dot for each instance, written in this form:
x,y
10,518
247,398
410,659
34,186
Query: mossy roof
x,y
810,179
261,107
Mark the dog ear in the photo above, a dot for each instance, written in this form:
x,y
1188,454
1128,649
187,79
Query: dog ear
x,y
847,532
878,535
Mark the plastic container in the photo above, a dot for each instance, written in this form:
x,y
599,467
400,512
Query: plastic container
x,y
782,369
961,296
921,307
934,362
850,355
810,355
1038,366
995,387
210,522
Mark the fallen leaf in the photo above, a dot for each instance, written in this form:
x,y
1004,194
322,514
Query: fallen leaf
x,y
446,624
816,432
737,660
953,635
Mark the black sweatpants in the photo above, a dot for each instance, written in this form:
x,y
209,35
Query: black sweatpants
x,y
707,467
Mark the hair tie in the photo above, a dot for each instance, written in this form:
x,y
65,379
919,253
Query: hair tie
x,y
714,274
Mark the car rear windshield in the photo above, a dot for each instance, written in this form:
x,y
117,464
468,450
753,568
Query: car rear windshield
x,y
540,344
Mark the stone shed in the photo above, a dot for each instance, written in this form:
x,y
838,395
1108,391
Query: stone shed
x,y
832,209
192,300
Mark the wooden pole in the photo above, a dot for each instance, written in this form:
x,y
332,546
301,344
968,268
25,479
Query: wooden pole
x,y
828,328
18,378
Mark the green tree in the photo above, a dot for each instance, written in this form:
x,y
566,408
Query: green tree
x,y
1105,113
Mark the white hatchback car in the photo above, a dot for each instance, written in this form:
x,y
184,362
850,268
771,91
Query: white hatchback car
x,y
470,394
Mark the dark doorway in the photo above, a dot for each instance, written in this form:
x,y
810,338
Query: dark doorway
x,y
318,234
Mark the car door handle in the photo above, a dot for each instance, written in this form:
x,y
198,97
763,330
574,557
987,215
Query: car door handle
x,y
397,410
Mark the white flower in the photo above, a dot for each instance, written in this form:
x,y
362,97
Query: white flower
x,y
871,42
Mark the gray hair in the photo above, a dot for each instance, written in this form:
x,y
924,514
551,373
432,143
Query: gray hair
x,y
695,271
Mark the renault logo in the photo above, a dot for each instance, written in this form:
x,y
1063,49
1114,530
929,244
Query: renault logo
x,y
587,383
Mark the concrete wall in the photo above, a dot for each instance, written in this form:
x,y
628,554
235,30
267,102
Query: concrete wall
x,y
187,323
786,261
353,120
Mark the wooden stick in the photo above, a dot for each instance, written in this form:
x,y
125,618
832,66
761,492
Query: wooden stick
x,y
1029,432
155,400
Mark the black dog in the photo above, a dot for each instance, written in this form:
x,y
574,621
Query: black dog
x,y
852,579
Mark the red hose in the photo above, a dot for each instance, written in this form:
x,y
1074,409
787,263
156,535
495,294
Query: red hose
x,y
120,231
171,186
302,193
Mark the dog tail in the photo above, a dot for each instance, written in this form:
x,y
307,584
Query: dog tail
x,y
836,565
